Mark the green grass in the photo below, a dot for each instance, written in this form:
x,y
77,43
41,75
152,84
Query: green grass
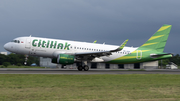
x,y
146,87
13,66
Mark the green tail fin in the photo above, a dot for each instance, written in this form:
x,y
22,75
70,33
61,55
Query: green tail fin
x,y
158,40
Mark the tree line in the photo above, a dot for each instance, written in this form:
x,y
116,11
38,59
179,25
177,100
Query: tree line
x,y
17,59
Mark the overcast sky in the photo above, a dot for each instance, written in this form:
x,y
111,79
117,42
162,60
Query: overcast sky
x,y
109,21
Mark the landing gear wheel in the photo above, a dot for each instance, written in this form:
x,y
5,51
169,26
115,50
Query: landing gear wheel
x,y
86,68
63,66
80,68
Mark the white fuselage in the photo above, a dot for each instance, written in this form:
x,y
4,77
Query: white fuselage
x,y
46,47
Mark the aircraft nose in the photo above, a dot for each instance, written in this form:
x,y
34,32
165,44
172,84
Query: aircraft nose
x,y
7,47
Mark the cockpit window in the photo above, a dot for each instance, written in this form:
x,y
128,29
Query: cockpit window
x,y
16,41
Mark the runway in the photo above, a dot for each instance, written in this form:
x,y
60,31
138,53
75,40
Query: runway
x,y
90,72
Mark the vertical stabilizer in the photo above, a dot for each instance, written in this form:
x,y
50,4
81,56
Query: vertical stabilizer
x,y
158,40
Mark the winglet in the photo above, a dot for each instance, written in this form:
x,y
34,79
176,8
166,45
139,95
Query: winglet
x,y
120,47
123,44
95,41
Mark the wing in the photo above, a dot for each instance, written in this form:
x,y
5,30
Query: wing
x,y
92,55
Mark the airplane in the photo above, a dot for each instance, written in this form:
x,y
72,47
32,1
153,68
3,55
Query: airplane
x,y
67,52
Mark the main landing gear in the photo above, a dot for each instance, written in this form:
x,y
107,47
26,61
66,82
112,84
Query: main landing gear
x,y
85,67
63,66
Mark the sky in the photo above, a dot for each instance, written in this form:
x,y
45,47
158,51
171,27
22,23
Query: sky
x,y
109,21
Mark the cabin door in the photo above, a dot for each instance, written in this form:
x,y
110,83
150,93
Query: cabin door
x,y
28,43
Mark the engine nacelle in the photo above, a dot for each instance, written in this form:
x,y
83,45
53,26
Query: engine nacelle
x,y
64,59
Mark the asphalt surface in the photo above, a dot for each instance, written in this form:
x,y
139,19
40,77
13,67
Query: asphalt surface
x,y
91,71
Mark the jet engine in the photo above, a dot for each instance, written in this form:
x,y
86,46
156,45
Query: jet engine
x,y
64,59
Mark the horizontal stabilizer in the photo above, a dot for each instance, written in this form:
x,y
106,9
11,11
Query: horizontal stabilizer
x,y
158,55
